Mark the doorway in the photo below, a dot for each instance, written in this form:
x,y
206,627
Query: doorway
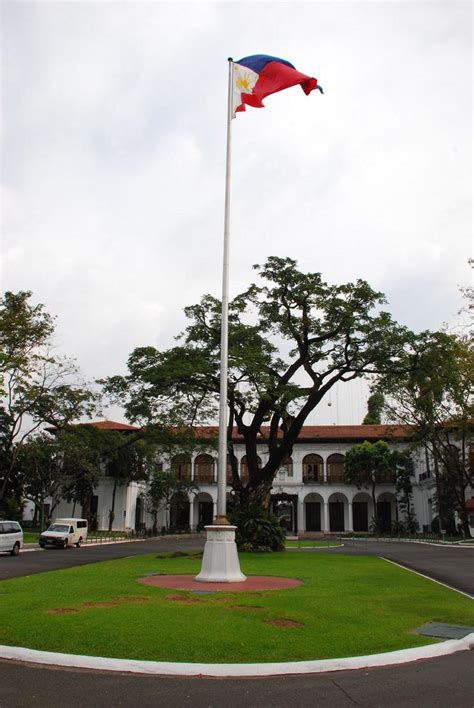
x,y
313,516
336,516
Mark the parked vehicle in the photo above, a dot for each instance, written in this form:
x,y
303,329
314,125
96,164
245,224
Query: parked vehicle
x,y
64,533
11,537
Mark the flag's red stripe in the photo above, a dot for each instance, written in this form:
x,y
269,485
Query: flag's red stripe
x,y
276,77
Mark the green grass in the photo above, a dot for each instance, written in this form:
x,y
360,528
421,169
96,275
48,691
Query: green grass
x,y
309,543
30,536
347,605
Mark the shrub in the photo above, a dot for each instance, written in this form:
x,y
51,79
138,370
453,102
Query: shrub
x,y
257,530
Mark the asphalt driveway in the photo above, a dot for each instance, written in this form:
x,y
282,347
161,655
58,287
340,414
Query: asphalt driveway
x,y
442,682
453,565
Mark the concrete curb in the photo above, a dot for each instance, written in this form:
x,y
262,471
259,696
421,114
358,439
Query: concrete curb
x,y
168,668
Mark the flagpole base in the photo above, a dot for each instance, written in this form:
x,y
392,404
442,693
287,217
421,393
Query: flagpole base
x,y
220,562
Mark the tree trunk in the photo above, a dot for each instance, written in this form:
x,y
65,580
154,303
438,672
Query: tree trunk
x,y
112,510
375,520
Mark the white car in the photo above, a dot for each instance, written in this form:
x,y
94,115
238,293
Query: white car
x,y
11,537
64,533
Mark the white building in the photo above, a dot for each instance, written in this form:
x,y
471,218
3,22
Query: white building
x,y
309,492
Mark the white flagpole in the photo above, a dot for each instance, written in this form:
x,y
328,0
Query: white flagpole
x,y
220,560
222,450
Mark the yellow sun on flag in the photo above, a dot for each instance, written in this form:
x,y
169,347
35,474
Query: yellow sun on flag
x,y
243,83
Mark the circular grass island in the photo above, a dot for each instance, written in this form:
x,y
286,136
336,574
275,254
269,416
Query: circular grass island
x,y
345,606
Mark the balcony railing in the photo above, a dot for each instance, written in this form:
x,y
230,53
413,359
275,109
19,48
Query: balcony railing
x,y
313,478
336,477
204,479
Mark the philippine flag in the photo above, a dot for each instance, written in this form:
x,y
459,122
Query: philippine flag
x,y
260,75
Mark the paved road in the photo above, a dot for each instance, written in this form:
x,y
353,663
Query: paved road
x,y
453,565
39,561
440,682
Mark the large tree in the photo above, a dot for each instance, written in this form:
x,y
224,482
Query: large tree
x,y
433,395
128,458
165,488
37,386
291,339
374,409
39,466
367,465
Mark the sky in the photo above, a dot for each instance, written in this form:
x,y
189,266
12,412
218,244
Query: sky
x,y
113,162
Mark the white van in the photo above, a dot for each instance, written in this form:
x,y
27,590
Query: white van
x,y
11,537
64,533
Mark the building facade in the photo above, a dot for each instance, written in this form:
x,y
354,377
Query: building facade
x,y
309,495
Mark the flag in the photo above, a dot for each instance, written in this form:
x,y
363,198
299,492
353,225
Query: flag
x,y
260,75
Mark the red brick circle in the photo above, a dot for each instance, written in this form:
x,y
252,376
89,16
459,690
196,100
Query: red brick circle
x,y
254,583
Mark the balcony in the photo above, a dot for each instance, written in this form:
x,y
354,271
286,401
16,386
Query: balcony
x,y
336,478
204,479
335,472
313,478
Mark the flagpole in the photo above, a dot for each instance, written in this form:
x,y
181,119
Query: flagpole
x,y
220,560
222,448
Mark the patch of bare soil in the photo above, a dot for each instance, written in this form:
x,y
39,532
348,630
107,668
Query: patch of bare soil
x,y
88,605
183,598
284,622
245,607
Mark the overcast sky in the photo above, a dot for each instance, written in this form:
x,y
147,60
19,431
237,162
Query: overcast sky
x,y
114,117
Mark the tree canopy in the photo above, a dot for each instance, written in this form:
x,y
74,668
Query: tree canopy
x,y
433,394
292,337
374,409
38,387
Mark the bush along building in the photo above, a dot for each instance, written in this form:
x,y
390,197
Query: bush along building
x,y
311,492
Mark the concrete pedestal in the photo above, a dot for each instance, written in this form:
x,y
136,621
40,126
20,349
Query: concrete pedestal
x,y
220,562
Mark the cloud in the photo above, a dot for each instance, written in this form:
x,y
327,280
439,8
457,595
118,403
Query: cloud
x,y
113,159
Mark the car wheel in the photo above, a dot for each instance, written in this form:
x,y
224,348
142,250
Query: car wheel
x,y
42,545
15,550
78,544
65,543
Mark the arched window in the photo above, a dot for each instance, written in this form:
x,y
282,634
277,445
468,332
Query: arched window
x,y
286,467
181,466
204,469
335,468
244,468
313,467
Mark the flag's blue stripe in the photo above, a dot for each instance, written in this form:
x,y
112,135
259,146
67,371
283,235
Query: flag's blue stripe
x,y
257,62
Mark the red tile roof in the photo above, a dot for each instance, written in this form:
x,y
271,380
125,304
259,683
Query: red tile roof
x,y
328,432
111,425
351,432
308,432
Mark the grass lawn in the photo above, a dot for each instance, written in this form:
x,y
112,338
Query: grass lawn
x,y
348,605
308,543
30,536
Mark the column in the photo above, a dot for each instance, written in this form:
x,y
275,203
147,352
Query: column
x,y
350,519
191,514
325,517
300,522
